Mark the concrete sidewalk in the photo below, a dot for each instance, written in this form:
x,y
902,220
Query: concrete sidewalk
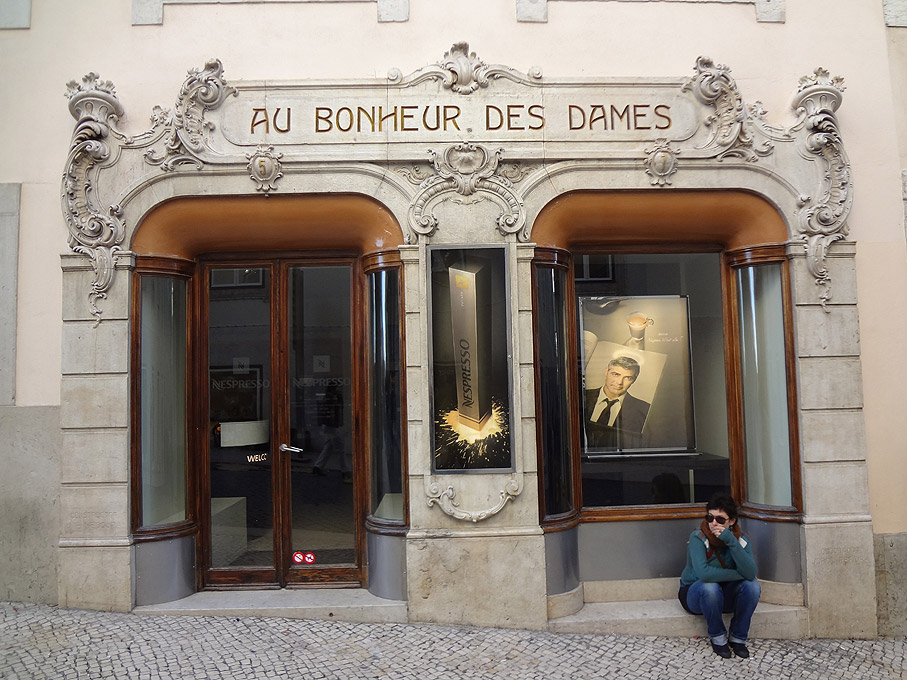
x,y
38,641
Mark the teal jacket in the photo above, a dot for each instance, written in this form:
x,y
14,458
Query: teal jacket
x,y
739,564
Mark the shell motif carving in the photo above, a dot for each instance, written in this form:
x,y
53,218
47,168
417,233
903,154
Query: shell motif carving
x,y
445,497
95,231
823,221
465,169
733,126
186,127
462,72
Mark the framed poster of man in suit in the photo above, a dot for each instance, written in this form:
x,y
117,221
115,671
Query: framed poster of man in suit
x,y
637,385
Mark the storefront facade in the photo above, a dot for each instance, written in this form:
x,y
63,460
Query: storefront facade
x,y
350,333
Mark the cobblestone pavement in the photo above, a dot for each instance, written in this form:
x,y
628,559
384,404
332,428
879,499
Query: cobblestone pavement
x,y
39,641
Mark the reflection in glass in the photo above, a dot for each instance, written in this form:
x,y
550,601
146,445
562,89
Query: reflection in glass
x,y
320,383
386,446
163,400
470,360
682,453
239,372
553,371
764,377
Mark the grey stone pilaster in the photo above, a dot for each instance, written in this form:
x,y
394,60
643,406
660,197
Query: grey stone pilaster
x,y
15,14
840,575
96,556
895,12
891,583
9,263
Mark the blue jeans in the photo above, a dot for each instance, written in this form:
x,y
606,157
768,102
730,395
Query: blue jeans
x,y
737,597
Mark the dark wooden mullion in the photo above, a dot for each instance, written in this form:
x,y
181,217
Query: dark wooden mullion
x,y
361,449
199,455
135,399
282,514
793,420
733,378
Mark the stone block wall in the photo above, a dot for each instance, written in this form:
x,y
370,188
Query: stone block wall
x,y
29,485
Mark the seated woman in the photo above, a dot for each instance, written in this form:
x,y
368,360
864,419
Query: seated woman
x,y
720,576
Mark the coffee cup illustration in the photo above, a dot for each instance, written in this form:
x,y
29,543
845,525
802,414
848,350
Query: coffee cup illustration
x,y
638,323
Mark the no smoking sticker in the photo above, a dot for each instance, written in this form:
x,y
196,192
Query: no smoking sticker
x,y
304,557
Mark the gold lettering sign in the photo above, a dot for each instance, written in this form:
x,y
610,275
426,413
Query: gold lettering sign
x,y
448,117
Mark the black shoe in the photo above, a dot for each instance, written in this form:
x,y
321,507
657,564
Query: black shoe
x,y
722,650
740,650
318,471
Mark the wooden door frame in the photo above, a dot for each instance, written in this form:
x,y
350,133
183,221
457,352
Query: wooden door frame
x,y
283,573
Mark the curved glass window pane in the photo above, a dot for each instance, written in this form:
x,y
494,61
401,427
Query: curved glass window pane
x,y
553,370
764,376
163,400
386,446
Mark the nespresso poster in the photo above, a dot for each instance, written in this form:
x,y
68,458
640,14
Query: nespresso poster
x,y
470,365
637,383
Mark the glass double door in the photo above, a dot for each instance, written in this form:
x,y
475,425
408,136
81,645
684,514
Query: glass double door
x,y
280,477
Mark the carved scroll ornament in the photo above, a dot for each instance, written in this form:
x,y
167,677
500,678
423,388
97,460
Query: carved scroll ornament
x,y
823,220
734,125
462,72
185,129
94,231
445,497
465,169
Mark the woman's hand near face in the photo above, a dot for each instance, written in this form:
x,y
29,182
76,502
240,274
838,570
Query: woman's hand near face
x,y
716,529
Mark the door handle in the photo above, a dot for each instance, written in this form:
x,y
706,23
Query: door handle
x,y
291,449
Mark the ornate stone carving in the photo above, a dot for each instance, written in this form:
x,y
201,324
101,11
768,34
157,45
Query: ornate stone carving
x,y
186,128
465,169
93,230
823,220
445,497
733,126
264,168
661,162
416,174
462,72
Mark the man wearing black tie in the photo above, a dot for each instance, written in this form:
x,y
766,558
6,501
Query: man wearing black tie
x,y
614,417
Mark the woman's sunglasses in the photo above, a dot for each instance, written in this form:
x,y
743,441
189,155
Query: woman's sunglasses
x,y
715,518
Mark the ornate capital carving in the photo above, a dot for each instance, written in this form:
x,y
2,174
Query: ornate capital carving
x,y
462,72
465,169
733,126
186,129
445,497
823,220
94,231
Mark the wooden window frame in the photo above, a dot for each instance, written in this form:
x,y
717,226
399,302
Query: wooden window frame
x,y
370,264
166,268
731,261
